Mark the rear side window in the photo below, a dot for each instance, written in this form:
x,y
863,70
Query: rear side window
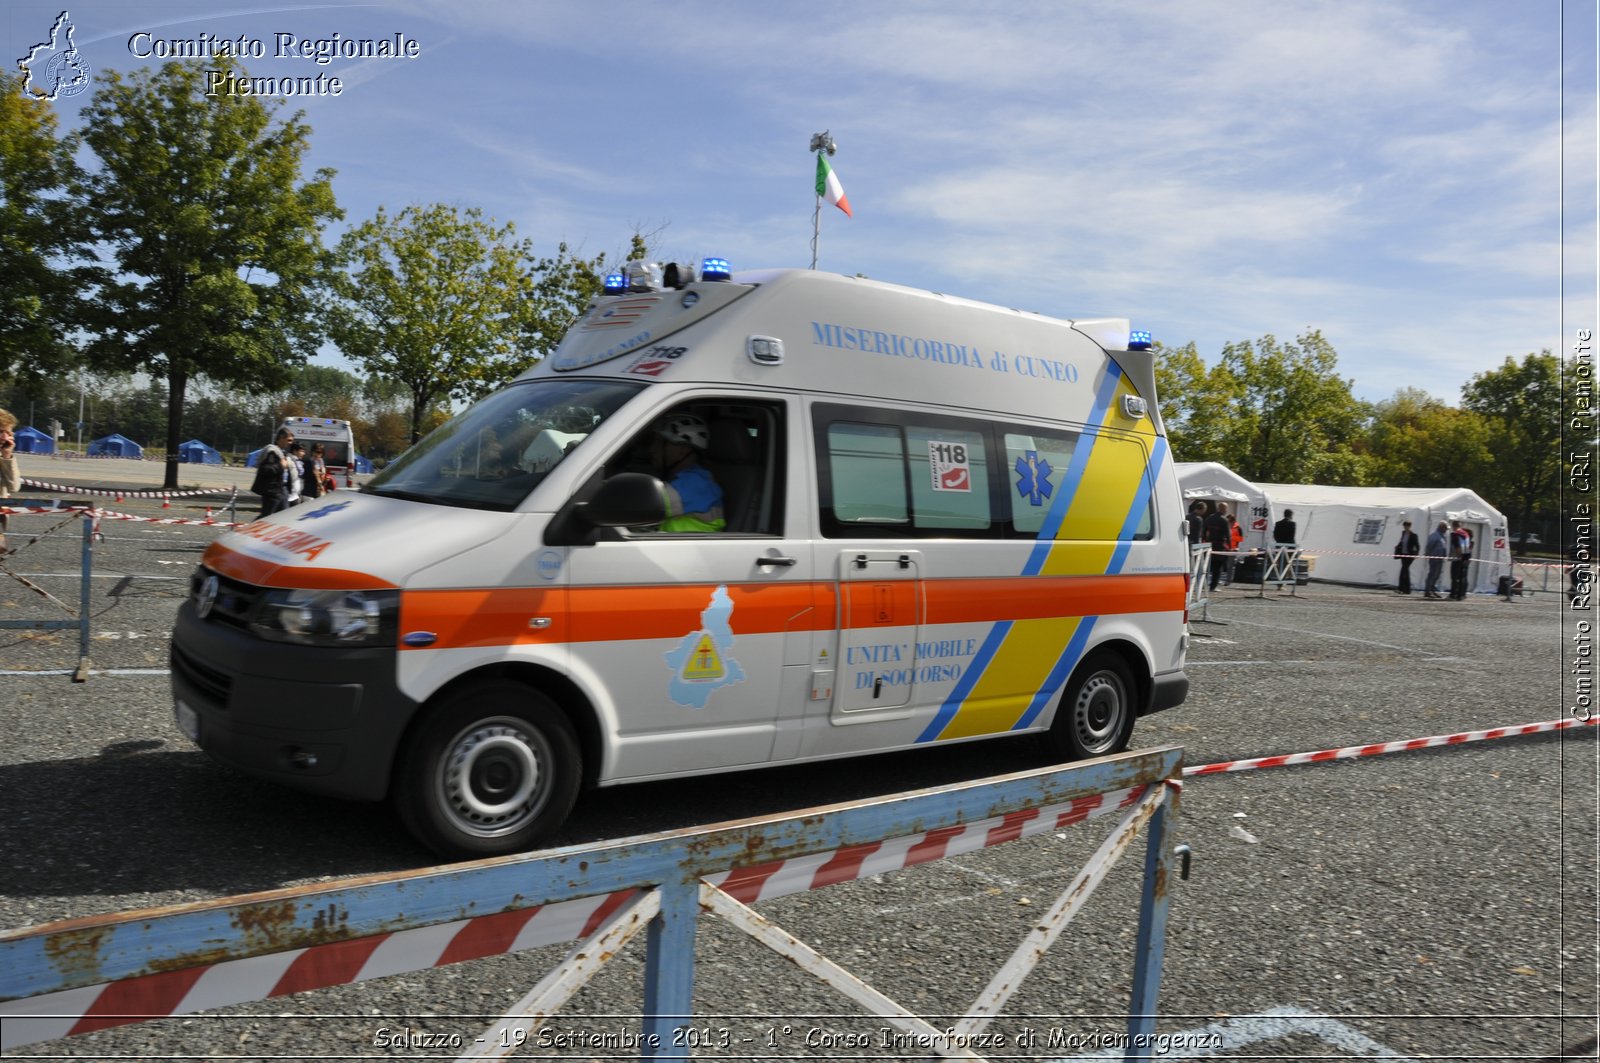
x,y
909,473
892,473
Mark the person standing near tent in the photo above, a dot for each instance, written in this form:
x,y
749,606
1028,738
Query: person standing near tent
x,y
10,478
1405,552
1283,531
1197,520
1460,560
1235,540
1219,536
1438,547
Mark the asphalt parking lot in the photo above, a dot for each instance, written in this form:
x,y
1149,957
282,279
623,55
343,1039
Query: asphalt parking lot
x,y
1438,903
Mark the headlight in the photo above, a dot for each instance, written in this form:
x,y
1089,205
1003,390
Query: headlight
x,y
327,618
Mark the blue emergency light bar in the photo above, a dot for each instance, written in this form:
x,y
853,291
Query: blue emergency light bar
x,y
715,269
1138,340
616,283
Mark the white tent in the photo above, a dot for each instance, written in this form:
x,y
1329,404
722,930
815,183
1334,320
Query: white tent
x,y
1352,531
1210,481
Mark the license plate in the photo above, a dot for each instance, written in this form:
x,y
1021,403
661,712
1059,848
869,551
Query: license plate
x,y
188,720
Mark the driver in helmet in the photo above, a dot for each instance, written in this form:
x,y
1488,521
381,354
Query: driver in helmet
x,y
693,498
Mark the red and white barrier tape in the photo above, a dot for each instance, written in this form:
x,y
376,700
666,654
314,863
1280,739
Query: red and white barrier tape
x,y
106,514
69,489
1351,752
183,992
1380,555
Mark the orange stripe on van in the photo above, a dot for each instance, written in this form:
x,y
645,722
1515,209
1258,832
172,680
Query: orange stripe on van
x,y
956,601
502,616
247,568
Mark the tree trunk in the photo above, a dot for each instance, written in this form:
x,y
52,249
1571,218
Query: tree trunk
x,y
419,404
177,384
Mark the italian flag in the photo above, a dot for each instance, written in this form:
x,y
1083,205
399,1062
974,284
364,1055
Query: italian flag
x,y
828,186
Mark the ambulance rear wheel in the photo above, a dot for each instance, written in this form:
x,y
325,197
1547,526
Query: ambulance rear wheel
x,y
1095,717
494,769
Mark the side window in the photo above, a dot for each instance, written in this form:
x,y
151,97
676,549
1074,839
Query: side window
x,y
867,463
906,474
949,478
1038,462
726,473
1111,496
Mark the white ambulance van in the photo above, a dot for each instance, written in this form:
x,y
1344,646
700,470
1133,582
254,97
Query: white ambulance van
x,y
939,521
338,443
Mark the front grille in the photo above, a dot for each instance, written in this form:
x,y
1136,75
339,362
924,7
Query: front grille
x,y
235,600
214,684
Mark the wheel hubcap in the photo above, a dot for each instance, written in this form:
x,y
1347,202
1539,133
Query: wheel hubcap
x,y
492,779
1097,716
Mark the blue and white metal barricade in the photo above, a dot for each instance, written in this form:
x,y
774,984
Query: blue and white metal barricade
x,y
81,621
81,975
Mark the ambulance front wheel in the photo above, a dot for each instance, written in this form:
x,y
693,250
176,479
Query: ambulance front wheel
x,y
493,769
1095,717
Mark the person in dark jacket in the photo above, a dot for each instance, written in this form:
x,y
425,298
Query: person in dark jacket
x,y
1405,552
270,464
1283,532
1219,535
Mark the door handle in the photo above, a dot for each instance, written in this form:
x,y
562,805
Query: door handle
x,y
780,562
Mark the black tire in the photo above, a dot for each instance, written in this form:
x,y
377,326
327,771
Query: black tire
x,y
1096,713
493,769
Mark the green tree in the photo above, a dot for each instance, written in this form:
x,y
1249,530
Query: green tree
x,y
1415,440
214,237
563,289
1194,402
43,274
1521,402
1295,419
434,298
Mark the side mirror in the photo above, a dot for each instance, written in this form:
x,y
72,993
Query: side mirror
x,y
626,500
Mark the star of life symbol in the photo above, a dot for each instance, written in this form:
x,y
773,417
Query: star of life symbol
x,y
332,507
54,68
1033,478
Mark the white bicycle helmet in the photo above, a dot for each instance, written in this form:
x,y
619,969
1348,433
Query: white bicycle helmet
x,y
684,428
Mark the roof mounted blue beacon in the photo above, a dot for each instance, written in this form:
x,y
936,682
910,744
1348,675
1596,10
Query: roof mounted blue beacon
x,y
616,283
716,269
1138,340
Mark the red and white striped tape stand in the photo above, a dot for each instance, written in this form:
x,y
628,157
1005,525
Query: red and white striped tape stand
x,y
1352,752
182,992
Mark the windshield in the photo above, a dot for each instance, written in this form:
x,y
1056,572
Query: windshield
x,y
492,454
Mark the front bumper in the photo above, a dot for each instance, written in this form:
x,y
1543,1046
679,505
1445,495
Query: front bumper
x,y
321,719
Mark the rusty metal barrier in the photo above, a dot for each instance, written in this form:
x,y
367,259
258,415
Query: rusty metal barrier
x,y
77,976
81,619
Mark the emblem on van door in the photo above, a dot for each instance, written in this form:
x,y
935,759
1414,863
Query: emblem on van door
x,y
702,662
207,596
1033,478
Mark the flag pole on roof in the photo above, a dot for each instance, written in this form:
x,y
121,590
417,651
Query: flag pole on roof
x,y
828,187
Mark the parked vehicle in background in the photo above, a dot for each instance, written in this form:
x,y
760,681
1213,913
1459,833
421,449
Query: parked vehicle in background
x,y
338,443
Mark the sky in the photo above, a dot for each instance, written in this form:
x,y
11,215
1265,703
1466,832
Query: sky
x,y
1415,179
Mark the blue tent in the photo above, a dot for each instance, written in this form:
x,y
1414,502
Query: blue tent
x,y
197,453
115,446
33,441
